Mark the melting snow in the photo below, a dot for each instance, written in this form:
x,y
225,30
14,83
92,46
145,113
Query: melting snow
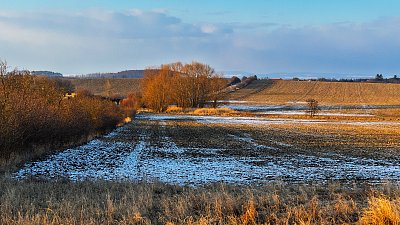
x,y
167,162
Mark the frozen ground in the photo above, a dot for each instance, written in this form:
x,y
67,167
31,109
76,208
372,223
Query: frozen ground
x,y
146,150
260,120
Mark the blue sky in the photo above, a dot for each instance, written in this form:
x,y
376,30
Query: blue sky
x,y
260,36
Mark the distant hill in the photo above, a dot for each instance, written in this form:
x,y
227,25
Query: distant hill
x,y
326,93
46,73
107,86
121,74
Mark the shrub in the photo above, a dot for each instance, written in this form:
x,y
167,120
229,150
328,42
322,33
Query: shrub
x,y
34,113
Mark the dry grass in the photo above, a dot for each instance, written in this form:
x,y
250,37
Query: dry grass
x,y
382,211
100,202
213,111
200,111
175,110
326,93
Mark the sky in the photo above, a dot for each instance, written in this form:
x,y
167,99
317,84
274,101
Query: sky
x,y
355,37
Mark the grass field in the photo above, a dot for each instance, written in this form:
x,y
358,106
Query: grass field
x,y
102,202
326,93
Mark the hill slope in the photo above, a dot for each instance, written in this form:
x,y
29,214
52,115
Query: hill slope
x,y
327,93
106,87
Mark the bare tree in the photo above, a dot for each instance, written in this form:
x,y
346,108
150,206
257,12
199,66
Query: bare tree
x,y
312,107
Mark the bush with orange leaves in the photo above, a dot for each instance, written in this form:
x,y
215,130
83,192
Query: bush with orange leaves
x,y
131,104
35,117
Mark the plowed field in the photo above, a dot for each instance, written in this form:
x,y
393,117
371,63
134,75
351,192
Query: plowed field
x,y
326,93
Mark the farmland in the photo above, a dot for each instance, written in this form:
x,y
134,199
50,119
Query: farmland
x,y
203,149
327,93
185,169
105,87
262,161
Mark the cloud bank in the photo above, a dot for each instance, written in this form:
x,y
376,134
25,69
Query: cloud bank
x,y
105,41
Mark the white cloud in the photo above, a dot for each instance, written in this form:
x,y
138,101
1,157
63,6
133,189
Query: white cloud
x,y
100,40
208,28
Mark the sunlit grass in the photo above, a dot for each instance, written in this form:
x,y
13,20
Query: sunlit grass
x,y
101,202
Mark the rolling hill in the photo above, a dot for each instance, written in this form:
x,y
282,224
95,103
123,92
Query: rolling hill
x,y
326,93
106,87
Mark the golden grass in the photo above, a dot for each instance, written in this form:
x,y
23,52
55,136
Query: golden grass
x,y
213,111
100,202
175,109
200,111
381,211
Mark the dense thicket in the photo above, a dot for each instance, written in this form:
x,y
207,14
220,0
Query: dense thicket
x,y
185,85
33,113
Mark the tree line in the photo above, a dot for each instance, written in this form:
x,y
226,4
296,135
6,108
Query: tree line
x,y
184,85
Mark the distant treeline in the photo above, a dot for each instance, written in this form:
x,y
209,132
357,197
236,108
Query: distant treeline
x,y
121,74
36,117
46,73
378,79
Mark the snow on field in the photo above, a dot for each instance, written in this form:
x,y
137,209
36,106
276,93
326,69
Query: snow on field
x,y
255,108
298,108
249,140
302,112
165,161
261,120
96,159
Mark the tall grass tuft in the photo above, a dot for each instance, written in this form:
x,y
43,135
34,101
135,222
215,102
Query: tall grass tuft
x,y
382,211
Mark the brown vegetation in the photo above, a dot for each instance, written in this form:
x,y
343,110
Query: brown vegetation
x,y
63,202
382,211
327,93
131,104
186,85
34,116
213,111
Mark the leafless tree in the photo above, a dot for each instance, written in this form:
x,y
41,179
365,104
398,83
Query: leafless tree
x,y
312,107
